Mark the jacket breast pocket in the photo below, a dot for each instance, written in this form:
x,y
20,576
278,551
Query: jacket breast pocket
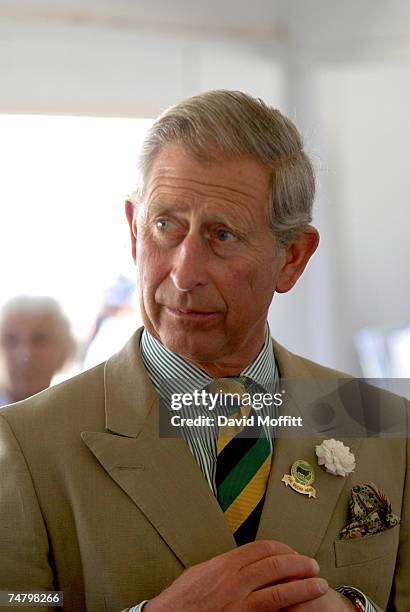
x,y
367,548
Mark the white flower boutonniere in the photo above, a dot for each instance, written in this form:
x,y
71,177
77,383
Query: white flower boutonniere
x,y
336,457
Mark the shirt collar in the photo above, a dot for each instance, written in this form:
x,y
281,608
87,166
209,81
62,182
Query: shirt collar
x,y
170,373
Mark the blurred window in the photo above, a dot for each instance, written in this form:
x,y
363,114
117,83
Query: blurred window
x,y
62,224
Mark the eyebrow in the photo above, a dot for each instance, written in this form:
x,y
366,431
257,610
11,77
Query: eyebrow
x,y
162,204
212,215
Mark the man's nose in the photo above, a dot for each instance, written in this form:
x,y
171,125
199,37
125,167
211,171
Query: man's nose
x,y
23,353
190,263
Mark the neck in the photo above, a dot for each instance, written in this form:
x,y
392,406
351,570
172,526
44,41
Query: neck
x,y
221,369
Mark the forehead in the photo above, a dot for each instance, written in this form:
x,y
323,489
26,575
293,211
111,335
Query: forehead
x,y
23,322
173,170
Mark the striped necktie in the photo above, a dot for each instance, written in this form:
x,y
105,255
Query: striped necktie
x,y
243,462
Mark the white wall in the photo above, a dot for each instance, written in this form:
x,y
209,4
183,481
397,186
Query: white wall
x,y
366,125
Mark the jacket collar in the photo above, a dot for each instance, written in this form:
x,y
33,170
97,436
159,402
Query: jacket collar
x,y
130,394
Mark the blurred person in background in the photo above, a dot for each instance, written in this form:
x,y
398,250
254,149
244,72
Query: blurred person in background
x,y
35,343
115,322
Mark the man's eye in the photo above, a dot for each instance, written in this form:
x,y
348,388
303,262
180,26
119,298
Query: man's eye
x,y
163,224
224,235
9,341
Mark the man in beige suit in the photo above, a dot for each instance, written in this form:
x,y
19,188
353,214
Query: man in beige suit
x,y
94,502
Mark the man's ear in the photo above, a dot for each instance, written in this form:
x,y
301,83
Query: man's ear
x,y
130,214
297,254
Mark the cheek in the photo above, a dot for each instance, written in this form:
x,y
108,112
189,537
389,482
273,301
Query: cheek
x,y
9,359
238,289
249,289
262,283
44,355
247,279
148,260
152,269
241,279
265,276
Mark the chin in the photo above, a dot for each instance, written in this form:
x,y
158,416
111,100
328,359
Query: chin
x,y
192,346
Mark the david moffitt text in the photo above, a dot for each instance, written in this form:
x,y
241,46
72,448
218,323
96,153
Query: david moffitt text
x,y
250,421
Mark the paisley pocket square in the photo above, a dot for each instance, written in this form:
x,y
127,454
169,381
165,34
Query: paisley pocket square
x,y
369,512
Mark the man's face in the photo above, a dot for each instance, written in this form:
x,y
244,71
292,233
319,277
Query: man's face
x,y
33,351
206,257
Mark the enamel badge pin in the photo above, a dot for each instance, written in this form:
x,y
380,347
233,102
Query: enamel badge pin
x,y
301,478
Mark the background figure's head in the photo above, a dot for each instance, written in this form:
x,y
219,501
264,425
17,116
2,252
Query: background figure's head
x,y
222,124
35,342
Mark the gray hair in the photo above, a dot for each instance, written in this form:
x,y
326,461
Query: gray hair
x,y
42,305
222,122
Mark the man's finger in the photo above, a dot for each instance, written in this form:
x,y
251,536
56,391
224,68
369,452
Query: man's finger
x,y
332,601
255,551
277,568
287,594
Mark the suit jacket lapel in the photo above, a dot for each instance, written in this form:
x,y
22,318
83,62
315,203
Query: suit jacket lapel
x,y
289,516
159,474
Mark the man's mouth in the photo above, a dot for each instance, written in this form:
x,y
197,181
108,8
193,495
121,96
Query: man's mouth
x,y
187,313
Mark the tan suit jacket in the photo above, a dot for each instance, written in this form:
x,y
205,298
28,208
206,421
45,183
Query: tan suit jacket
x,y
95,504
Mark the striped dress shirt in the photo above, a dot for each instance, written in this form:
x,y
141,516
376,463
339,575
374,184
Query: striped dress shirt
x,y
171,374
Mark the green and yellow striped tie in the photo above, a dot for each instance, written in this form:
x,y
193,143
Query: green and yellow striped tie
x,y
243,464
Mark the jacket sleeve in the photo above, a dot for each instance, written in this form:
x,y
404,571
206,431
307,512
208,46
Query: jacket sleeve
x,y
23,538
400,595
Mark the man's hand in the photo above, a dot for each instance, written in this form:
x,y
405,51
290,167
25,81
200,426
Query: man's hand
x,y
332,601
263,575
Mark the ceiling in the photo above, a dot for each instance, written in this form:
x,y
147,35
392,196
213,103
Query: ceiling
x,y
325,30
136,57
